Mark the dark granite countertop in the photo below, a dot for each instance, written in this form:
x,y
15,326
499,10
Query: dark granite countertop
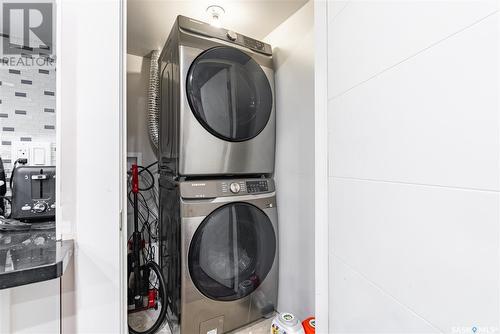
x,y
32,254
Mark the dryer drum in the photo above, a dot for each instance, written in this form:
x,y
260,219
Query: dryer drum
x,y
229,94
232,251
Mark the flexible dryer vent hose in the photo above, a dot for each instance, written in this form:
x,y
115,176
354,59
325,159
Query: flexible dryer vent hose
x,y
154,98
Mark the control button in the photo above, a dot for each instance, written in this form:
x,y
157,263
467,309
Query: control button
x,y
26,208
235,187
252,43
40,207
257,186
231,35
53,206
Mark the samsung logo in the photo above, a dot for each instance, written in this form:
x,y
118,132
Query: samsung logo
x,y
198,184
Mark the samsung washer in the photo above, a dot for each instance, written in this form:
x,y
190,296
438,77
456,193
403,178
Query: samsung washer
x,y
219,253
217,114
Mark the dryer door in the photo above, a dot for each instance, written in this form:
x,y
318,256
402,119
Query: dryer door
x,y
229,94
232,252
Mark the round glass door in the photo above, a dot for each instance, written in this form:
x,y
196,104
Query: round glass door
x,y
229,94
232,252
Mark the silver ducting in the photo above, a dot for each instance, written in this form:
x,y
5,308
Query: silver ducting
x,y
154,98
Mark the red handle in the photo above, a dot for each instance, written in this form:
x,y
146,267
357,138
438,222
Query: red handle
x,y
135,179
152,296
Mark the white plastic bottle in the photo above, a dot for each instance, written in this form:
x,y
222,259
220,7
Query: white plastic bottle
x,y
286,323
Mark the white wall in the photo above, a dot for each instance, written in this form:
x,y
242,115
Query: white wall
x,y
67,98
293,47
414,166
321,258
137,104
91,161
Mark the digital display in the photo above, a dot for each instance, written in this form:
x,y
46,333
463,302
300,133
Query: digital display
x,y
257,186
252,43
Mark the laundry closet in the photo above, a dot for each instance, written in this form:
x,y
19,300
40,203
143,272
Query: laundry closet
x,y
220,160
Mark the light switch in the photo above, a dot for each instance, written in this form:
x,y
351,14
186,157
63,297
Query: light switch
x,y
39,156
37,153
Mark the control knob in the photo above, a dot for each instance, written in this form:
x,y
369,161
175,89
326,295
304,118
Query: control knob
x,y
235,187
40,207
231,35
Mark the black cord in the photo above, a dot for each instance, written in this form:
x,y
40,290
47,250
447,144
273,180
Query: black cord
x,y
21,161
148,216
151,165
12,174
151,176
142,218
152,184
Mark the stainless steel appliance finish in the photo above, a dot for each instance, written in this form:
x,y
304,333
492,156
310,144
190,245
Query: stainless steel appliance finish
x,y
223,272
217,113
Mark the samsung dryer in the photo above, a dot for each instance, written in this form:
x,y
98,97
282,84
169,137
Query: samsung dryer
x,y
219,253
217,112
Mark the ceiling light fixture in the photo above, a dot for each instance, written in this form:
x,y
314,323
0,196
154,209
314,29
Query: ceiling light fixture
x,y
215,14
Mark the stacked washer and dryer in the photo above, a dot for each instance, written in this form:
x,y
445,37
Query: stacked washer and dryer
x,y
218,231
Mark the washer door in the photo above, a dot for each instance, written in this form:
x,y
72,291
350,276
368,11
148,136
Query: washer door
x,y
232,251
229,94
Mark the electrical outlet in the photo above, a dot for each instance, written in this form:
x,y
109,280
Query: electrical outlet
x,y
20,150
37,153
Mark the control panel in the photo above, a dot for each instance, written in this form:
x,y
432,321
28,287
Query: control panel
x,y
223,188
257,186
245,186
233,187
205,29
253,43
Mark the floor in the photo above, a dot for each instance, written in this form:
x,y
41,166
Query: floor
x,y
259,327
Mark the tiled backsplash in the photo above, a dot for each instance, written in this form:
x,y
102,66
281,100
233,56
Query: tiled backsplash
x,y
27,108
